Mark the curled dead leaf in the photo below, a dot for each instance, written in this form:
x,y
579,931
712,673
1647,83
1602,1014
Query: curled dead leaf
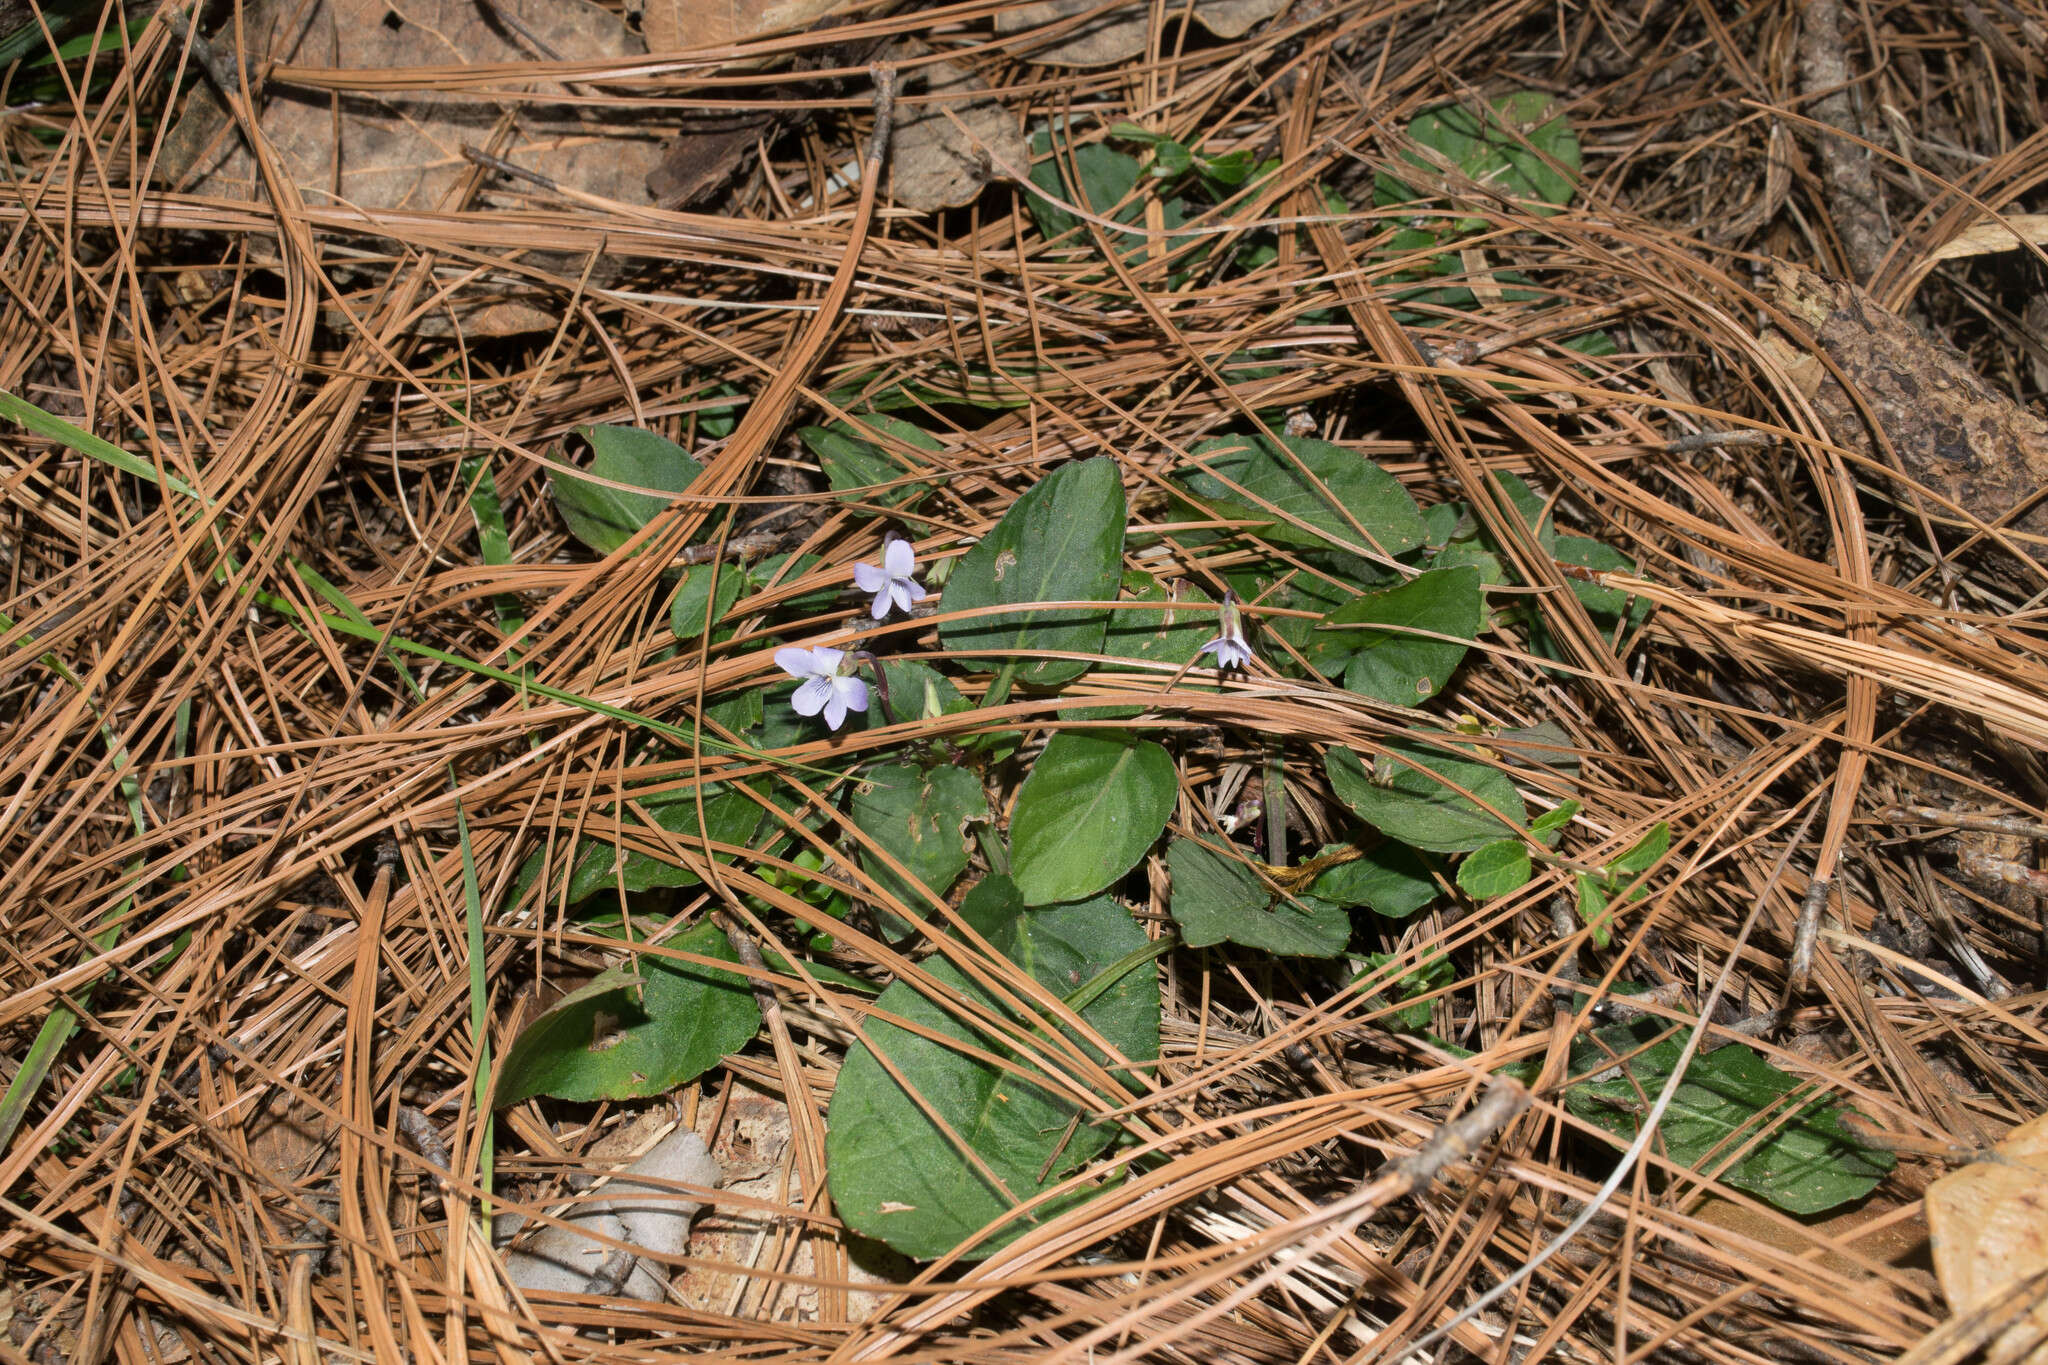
x,y
1989,1224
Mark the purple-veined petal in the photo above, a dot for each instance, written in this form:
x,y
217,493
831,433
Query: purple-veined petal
x,y
812,697
795,661
835,712
868,578
899,592
1229,652
899,559
852,691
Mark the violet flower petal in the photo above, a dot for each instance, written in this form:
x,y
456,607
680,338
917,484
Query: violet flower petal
x,y
899,558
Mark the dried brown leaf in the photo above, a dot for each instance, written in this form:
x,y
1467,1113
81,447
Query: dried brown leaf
x,y
934,164
1122,33
1953,433
1990,1226
404,150
679,25
702,159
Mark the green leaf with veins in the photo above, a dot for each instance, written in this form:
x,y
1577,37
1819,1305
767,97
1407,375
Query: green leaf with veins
x,y
1220,900
1412,793
606,518
635,1030
1376,643
1090,807
920,818
1729,1099
895,1175
1495,869
1062,541
1391,880
1296,490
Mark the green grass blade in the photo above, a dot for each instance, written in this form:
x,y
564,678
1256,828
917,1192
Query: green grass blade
x,y
492,540
55,428
62,1022
479,1000
357,624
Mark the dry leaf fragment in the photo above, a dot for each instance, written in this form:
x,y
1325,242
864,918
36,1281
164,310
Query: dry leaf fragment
x,y
705,155
712,147
648,1213
1952,431
1122,33
680,25
2014,232
404,149
1989,1223
933,164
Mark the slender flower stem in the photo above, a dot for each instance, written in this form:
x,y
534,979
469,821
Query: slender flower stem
x,y
881,684
999,689
992,848
1276,807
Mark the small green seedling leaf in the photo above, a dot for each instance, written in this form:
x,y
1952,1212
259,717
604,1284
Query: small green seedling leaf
x,y
1806,1164
1495,869
717,423
896,1176
919,818
1510,145
1062,541
1593,909
1547,826
634,1032
1644,855
1220,900
1092,804
1170,159
686,612
1434,973
1410,794
1227,171
1322,489
1382,656
606,518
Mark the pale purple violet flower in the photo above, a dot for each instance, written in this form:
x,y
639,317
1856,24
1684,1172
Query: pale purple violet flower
x,y
892,582
1231,649
825,687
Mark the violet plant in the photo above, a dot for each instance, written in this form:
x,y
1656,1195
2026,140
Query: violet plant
x,y
1375,600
